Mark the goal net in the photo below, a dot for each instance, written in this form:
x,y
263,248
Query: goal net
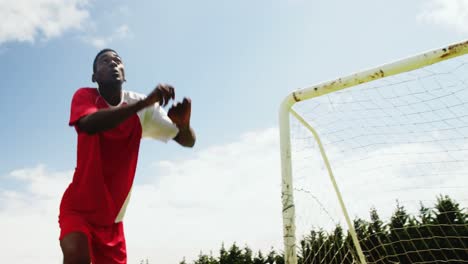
x,y
375,164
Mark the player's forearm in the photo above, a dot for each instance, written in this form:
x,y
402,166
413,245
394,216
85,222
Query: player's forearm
x,y
186,137
108,118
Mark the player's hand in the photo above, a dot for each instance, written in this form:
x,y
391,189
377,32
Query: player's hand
x,y
161,94
180,113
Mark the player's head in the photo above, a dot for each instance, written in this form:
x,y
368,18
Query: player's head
x,y
108,67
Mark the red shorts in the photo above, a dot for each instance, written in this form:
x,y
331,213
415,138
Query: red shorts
x,y
106,244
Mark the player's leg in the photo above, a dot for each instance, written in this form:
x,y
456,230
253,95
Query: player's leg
x,y
75,248
75,239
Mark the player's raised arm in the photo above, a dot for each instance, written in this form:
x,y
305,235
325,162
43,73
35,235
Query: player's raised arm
x,y
105,119
180,114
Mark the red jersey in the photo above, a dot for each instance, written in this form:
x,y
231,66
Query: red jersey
x,y
106,161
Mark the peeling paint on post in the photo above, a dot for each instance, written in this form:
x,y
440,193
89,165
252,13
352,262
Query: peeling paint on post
x,y
383,71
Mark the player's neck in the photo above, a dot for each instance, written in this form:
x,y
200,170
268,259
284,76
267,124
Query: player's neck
x,y
111,93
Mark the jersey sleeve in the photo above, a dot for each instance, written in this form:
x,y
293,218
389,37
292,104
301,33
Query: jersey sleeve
x,y
83,104
154,120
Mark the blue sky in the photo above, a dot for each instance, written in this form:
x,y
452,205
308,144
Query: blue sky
x,y
235,59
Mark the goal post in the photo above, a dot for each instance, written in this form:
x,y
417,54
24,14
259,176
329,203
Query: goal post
x,y
389,98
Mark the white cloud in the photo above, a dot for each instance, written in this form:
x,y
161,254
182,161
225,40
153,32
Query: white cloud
x,y
29,21
28,218
452,14
26,21
229,193
103,41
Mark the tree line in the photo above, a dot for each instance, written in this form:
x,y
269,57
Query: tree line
x,y
434,235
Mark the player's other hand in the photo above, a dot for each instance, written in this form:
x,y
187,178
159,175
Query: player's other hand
x,y
161,94
180,113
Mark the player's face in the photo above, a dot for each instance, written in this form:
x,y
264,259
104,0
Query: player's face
x,y
109,68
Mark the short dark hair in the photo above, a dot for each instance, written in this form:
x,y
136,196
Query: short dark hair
x,y
99,54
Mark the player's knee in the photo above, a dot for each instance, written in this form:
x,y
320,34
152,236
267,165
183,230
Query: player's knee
x,y
75,255
75,249
76,260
